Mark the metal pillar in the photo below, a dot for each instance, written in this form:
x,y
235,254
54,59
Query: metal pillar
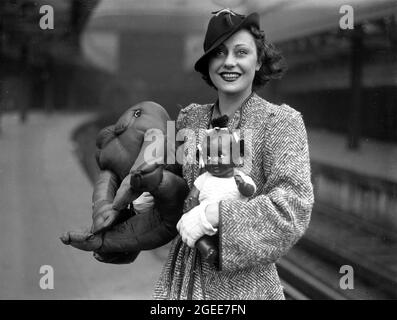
x,y
354,124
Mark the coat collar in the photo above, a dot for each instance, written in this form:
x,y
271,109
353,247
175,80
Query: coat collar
x,y
238,118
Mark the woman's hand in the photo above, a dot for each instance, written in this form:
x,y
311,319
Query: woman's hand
x,y
193,225
212,214
144,204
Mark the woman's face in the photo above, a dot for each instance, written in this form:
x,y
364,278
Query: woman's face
x,y
233,64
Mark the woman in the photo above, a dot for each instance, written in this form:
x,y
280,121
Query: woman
x,y
253,234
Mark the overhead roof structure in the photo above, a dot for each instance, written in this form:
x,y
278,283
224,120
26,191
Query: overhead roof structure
x,y
282,20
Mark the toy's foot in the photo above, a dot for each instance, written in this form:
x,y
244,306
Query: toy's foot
x,y
82,239
117,257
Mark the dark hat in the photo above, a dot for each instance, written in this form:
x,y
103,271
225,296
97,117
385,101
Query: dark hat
x,y
222,26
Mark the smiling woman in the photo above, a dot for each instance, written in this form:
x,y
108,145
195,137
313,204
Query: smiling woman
x,y
252,235
253,230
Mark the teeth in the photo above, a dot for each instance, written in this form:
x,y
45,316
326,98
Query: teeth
x,y
230,75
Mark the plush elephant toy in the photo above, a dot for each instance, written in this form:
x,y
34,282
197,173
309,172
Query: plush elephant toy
x,y
129,168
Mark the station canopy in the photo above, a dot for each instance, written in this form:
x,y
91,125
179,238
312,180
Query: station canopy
x,y
281,19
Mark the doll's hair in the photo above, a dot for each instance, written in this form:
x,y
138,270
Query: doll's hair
x,y
273,62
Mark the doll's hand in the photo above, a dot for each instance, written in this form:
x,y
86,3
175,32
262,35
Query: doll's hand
x,y
246,187
144,204
239,180
193,225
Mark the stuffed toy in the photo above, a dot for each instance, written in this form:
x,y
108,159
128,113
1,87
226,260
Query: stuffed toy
x,y
220,153
130,170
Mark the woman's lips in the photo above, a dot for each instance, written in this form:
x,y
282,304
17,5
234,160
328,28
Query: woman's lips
x,y
230,76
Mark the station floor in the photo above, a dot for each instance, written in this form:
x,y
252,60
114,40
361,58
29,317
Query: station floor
x,y
44,191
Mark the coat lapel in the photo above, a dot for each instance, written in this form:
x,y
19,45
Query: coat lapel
x,y
200,122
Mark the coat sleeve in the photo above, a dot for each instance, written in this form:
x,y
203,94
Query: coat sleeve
x,y
263,229
180,123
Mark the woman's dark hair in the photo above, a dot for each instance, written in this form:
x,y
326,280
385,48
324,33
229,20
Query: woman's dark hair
x,y
273,62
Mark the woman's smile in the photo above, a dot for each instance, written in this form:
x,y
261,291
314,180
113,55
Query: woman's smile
x,y
230,76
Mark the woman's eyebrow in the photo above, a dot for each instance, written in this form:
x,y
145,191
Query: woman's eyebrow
x,y
240,45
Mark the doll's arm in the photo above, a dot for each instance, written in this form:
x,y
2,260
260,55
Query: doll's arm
x,y
245,184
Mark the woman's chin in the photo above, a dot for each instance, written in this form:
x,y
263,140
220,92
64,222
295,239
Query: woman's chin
x,y
231,89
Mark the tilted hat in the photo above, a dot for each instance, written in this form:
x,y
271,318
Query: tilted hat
x,y
222,26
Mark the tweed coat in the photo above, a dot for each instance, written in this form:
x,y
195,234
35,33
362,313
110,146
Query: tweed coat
x,y
253,235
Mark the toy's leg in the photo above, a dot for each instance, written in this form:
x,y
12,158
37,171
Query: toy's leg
x,y
82,239
150,230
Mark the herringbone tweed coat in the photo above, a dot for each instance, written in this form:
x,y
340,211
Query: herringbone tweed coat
x,y
253,234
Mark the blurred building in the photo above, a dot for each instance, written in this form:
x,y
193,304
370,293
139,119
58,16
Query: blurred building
x,y
43,68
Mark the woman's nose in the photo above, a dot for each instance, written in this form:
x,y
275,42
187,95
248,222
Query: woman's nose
x,y
230,61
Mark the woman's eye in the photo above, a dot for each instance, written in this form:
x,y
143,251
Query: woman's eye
x,y
242,52
219,52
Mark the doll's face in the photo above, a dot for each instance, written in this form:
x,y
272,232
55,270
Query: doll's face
x,y
218,150
218,169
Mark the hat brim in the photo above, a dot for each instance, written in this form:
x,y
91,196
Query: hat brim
x,y
202,63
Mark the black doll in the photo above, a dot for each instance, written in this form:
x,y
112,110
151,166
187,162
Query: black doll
x,y
219,155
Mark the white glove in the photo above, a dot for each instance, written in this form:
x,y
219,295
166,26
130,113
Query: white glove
x,y
194,224
144,203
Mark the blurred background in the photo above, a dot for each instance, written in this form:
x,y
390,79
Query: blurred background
x,y
60,85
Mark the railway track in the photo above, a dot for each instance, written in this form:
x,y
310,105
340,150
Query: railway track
x,y
299,284
311,270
